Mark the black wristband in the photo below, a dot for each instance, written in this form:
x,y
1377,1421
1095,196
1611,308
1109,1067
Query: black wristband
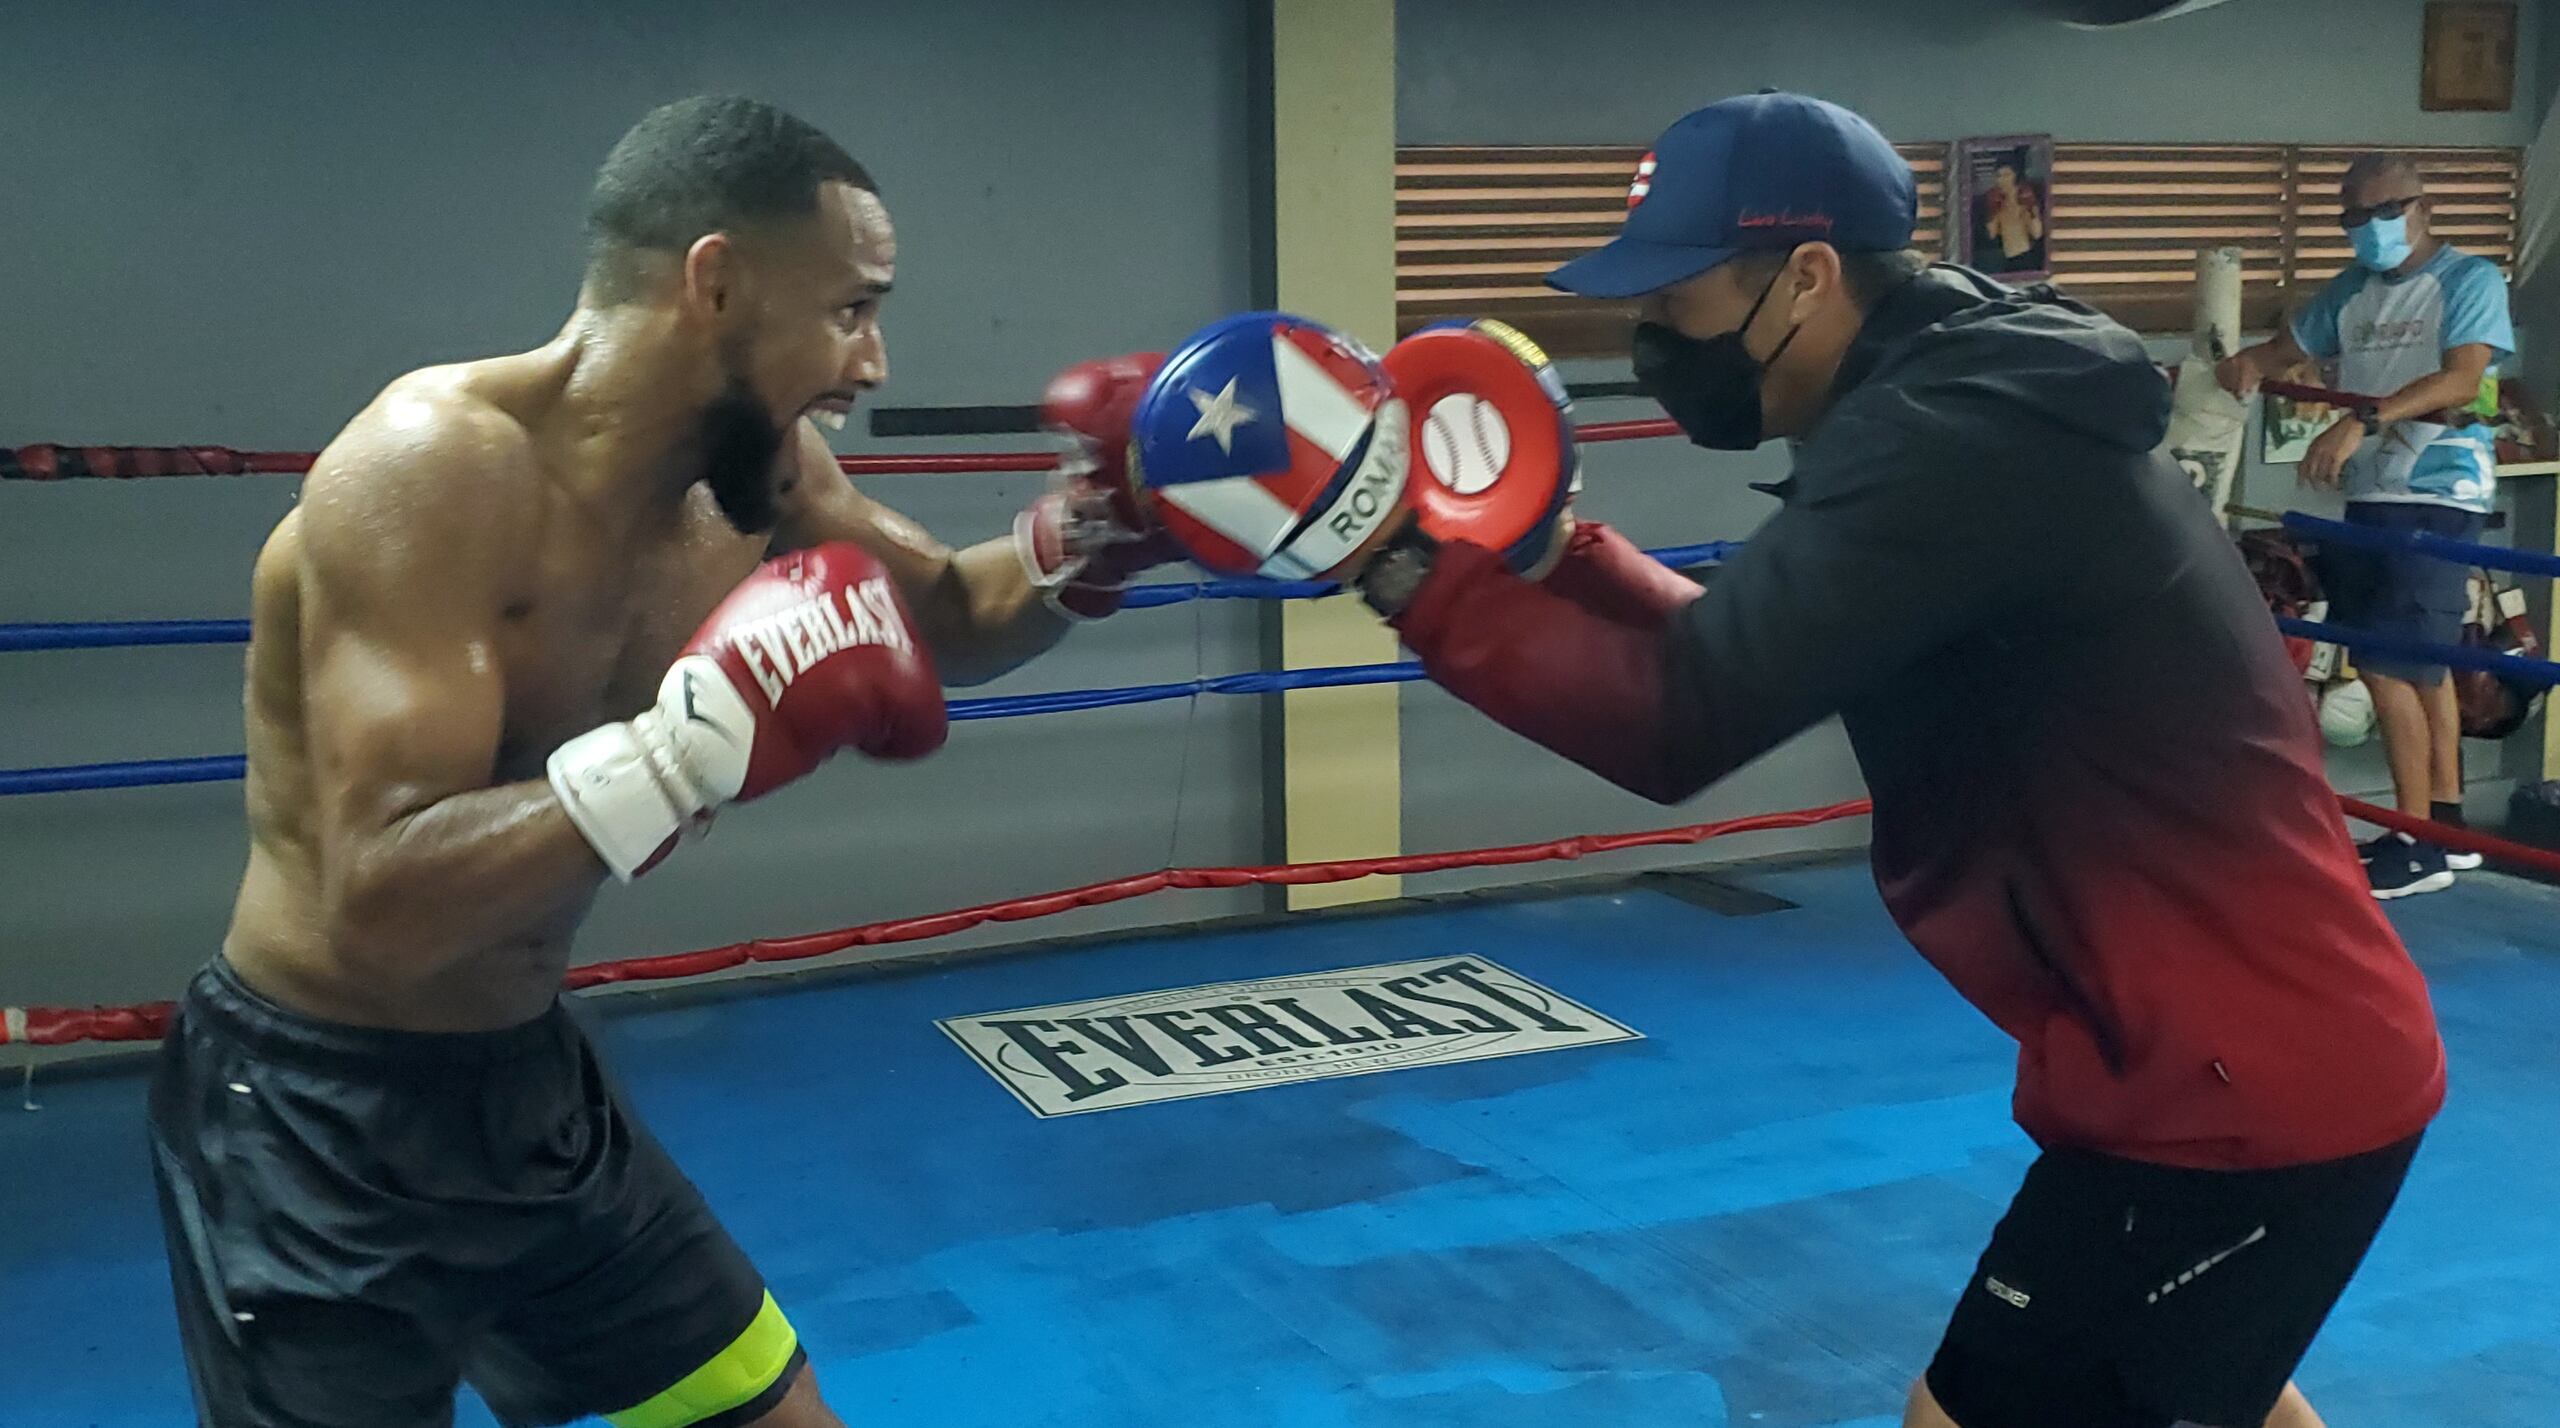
x,y
1389,578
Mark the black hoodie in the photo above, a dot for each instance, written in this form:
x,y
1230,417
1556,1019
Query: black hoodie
x,y
2100,809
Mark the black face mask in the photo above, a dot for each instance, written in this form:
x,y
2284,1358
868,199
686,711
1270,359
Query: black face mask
x,y
1710,386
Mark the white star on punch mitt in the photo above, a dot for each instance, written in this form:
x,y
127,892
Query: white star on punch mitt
x,y
1220,415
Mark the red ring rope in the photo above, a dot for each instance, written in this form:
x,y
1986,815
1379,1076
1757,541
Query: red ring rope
x,y
2326,396
2445,835
54,1026
1626,430
46,461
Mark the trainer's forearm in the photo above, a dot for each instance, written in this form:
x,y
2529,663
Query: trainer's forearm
x,y
1560,675
984,617
2435,392
1605,574
462,874
2275,354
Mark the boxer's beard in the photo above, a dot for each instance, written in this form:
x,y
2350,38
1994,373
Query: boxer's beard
x,y
739,446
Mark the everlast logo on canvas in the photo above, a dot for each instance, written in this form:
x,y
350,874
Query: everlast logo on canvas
x,y
1198,1041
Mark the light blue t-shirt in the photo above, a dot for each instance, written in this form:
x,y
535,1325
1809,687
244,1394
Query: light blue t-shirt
x,y
2386,332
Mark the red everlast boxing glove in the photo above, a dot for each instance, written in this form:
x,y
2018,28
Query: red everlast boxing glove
x,y
1083,540
812,653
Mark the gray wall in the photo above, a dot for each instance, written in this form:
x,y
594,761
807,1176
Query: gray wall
x,y
2289,71
232,223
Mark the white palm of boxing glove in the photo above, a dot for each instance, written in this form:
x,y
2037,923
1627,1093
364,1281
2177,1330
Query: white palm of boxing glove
x,y
636,787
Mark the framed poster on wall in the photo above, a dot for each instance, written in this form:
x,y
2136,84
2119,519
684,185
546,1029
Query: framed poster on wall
x,y
2470,56
2000,213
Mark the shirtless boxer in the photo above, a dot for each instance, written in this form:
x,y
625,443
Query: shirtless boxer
x,y
388,1158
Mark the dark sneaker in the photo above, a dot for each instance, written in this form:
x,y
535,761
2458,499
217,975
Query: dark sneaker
x,y
2459,862
2407,868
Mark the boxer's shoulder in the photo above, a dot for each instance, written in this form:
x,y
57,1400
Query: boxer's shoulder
x,y
431,419
432,472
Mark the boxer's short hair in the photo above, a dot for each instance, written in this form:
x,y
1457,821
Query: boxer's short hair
x,y
709,164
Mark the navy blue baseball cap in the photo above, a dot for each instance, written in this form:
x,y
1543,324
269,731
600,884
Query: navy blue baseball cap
x,y
1766,170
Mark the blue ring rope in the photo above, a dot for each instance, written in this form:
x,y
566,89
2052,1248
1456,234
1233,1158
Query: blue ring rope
x,y
2521,668
147,772
115,634
151,772
2494,557
108,634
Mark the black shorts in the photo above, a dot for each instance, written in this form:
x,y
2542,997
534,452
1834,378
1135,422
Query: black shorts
x,y
2395,592
2117,1294
358,1220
